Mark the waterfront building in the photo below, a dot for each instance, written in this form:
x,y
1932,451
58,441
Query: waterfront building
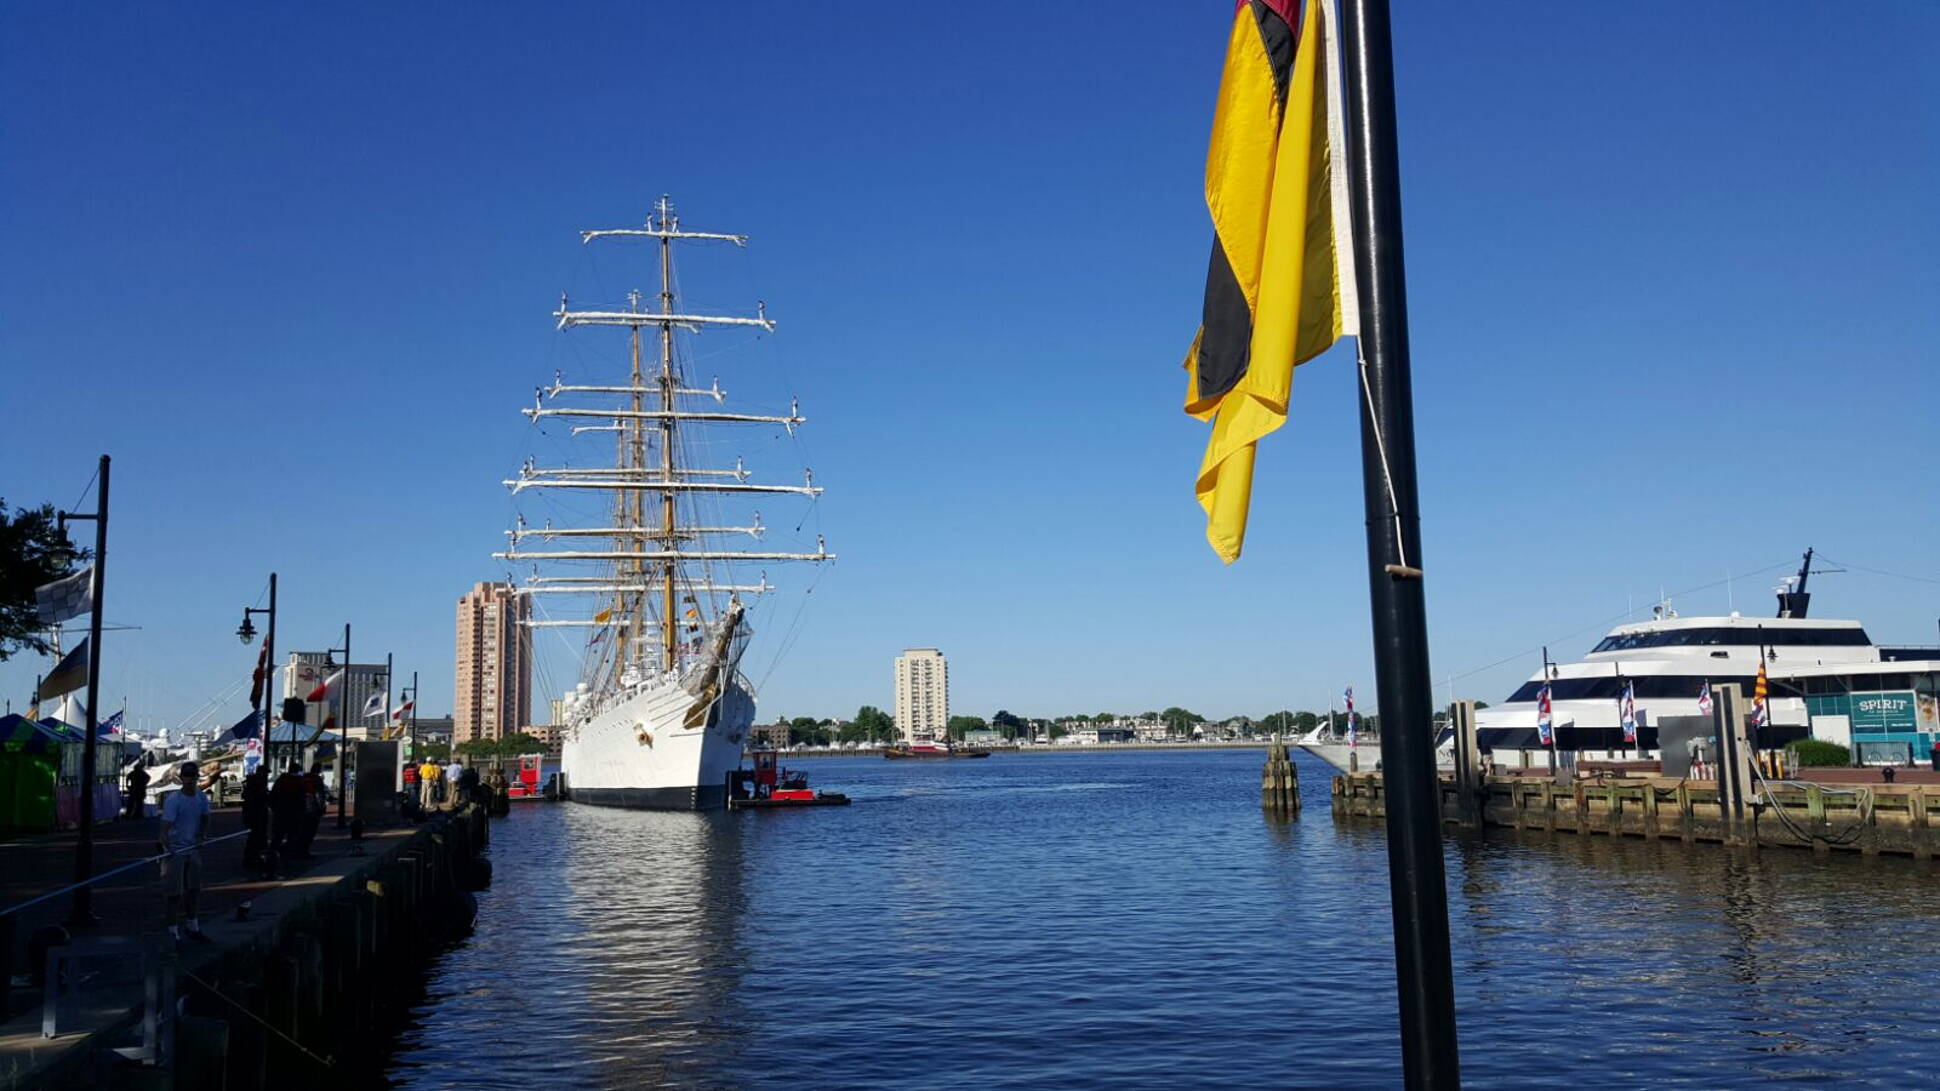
x,y
546,733
922,693
303,672
434,729
494,665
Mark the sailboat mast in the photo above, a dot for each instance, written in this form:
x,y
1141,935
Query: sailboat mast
x,y
632,503
667,388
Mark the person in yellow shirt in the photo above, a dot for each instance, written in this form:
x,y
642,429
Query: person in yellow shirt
x,y
428,775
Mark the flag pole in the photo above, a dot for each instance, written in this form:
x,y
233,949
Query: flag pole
x,y
1417,883
84,847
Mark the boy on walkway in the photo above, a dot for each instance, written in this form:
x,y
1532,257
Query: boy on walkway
x,y
185,821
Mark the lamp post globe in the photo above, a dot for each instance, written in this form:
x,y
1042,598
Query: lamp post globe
x,y
246,632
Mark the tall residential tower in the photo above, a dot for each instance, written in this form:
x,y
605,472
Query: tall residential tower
x,y
494,677
922,693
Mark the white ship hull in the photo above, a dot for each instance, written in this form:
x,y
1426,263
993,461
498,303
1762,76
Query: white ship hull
x,y
639,753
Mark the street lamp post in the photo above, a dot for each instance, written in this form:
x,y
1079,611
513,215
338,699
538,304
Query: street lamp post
x,y
343,727
247,633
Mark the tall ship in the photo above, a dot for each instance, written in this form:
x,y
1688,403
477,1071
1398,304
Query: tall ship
x,y
653,573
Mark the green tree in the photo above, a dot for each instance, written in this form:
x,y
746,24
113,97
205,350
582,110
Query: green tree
x,y
519,743
1104,717
877,726
959,726
1148,716
1305,721
1277,722
478,749
33,551
1179,720
431,751
1010,726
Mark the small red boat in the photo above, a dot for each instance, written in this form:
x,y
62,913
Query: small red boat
x,y
525,783
774,786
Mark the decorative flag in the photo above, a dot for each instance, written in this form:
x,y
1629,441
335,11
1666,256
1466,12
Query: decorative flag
x,y
1545,719
603,616
67,676
1280,285
1760,711
246,728
1353,736
326,689
403,710
1629,712
110,725
374,704
259,676
1704,698
66,598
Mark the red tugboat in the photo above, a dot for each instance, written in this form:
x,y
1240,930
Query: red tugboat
x,y
525,785
774,786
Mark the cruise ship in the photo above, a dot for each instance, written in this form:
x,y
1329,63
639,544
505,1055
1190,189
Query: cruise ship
x,y
1827,679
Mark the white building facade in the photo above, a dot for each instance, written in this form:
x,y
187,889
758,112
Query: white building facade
x,y
922,693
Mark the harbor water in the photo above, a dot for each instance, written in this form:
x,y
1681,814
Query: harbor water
x,y
1130,920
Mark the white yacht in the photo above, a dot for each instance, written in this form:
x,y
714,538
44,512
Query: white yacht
x,y
1813,669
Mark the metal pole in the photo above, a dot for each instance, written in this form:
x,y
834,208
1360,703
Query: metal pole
x,y
269,680
84,847
414,715
343,735
1418,887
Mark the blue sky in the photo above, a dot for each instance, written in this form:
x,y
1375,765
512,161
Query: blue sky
x,y
1672,279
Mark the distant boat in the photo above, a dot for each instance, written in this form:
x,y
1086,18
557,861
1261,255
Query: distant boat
x,y
925,748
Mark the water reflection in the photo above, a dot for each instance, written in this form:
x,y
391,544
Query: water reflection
x,y
625,964
1108,921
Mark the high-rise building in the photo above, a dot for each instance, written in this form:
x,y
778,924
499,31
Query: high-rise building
x,y
922,693
303,672
494,675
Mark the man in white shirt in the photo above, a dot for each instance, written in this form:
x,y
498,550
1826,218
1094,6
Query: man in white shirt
x,y
452,770
185,822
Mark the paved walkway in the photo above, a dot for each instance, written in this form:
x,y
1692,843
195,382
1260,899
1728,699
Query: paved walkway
x,y
131,904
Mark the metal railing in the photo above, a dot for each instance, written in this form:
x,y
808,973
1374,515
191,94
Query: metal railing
x,y
10,916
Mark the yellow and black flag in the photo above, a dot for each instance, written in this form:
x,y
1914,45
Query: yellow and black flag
x,y
1280,288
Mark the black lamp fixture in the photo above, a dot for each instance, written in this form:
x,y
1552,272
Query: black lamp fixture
x,y
246,632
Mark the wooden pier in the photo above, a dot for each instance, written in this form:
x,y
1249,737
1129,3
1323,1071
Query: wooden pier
x,y
1869,819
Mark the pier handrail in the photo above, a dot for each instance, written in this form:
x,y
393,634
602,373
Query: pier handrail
x,y
111,872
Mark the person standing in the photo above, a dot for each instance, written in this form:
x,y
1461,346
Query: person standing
x,y
286,812
137,789
468,784
185,822
428,785
452,770
316,799
255,816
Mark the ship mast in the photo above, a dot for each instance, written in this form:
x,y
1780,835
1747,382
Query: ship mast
x,y
649,553
668,641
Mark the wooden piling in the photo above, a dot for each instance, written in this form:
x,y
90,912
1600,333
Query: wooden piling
x,y
1279,782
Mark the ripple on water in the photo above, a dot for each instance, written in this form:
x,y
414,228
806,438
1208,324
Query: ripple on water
x,y
1132,920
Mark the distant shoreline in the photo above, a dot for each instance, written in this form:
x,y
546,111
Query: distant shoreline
x,y
1079,748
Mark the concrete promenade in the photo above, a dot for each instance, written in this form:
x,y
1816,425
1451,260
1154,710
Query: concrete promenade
x,y
129,907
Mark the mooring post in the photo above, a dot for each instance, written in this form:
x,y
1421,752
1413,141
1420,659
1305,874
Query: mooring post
x,y
1736,786
1279,781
